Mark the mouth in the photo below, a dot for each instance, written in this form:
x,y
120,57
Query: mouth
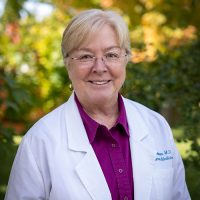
x,y
99,82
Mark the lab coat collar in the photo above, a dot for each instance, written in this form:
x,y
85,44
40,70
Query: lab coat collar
x,y
135,121
87,168
142,149
77,136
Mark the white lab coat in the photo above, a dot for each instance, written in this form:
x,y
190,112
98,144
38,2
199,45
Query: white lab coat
x,y
55,160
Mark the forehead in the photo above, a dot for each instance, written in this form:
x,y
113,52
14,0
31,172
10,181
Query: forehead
x,y
110,48
104,37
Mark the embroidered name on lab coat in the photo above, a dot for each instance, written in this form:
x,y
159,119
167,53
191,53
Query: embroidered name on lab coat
x,y
163,155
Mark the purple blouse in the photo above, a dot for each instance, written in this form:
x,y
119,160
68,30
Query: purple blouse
x,y
112,150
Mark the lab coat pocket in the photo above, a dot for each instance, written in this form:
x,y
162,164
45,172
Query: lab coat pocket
x,y
162,184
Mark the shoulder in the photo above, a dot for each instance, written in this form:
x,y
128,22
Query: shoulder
x,y
50,129
53,126
142,110
150,120
49,121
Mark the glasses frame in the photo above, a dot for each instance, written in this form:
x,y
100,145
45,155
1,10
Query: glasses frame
x,y
94,59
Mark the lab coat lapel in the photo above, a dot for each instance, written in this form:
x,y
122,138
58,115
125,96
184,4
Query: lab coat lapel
x,y
142,151
88,168
92,177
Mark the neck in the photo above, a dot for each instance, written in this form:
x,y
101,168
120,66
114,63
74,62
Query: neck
x,y
105,113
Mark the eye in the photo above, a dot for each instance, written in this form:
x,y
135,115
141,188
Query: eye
x,y
112,55
85,57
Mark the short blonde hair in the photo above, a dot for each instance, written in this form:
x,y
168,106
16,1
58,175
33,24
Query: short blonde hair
x,y
91,21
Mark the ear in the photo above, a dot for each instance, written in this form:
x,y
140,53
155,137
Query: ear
x,y
67,66
128,59
66,62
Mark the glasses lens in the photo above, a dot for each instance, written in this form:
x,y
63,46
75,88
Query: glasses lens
x,y
113,58
85,58
110,58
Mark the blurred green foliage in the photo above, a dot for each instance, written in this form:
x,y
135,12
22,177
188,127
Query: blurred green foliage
x,y
163,74
171,85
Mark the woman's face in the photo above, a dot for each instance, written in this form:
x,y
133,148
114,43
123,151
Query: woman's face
x,y
97,80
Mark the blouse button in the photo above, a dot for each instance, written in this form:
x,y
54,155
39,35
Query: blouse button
x,y
113,145
125,198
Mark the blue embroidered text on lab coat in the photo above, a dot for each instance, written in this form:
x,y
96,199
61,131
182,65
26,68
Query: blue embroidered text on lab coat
x,y
164,158
165,155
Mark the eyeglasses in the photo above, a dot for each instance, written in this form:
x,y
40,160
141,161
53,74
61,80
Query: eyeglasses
x,y
111,58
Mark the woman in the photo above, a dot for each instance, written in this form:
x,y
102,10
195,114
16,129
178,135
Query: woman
x,y
98,145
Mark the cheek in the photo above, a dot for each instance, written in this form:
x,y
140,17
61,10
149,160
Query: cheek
x,y
121,73
77,74
72,72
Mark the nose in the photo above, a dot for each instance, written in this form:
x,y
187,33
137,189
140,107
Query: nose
x,y
99,65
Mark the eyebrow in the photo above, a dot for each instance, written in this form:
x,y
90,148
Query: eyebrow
x,y
106,49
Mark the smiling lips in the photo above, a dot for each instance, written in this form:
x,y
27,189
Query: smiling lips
x,y
100,82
